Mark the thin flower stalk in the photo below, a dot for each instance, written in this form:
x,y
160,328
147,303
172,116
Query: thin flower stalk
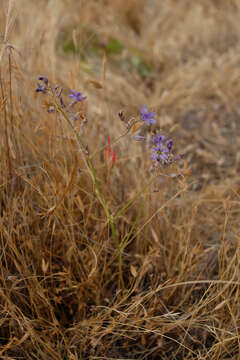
x,y
161,154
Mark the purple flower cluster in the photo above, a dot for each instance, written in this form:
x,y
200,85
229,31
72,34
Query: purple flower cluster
x,y
161,150
161,145
76,97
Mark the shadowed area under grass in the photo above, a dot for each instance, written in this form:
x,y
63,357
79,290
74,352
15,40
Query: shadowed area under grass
x,y
61,292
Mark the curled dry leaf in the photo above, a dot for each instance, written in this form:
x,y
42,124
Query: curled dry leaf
x,y
133,271
97,84
44,266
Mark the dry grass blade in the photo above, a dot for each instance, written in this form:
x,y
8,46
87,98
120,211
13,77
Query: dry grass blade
x,y
60,292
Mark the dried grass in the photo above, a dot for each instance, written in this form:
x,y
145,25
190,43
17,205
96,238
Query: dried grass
x,y
60,292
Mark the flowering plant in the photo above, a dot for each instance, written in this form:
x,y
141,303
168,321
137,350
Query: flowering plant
x,y
161,151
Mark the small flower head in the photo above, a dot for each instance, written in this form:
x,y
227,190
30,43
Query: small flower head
x,y
157,138
76,97
147,116
161,151
169,144
160,154
44,79
41,88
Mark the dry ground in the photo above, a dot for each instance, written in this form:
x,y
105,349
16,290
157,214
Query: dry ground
x,y
60,295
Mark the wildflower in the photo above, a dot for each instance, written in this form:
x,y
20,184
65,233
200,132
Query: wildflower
x,y
51,109
76,97
169,144
147,116
41,88
160,154
44,79
157,138
161,151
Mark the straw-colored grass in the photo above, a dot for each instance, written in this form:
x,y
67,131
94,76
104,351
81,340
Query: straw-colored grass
x,y
61,295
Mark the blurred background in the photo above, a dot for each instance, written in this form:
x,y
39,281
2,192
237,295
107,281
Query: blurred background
x,y
181,58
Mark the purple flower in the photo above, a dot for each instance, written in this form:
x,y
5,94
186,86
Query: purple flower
x,y
76,97
44,79
161,151
61,102
147,116
169,144
41,88
157,138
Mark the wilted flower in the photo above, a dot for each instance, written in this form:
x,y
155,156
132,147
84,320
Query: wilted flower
x,y
76,97
147,116
58,92
139,137
121,115
87,149
51,109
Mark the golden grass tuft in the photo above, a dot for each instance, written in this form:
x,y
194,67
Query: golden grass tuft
x,y
60,294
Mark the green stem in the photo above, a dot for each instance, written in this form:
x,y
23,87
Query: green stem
x,y
92,171
127,237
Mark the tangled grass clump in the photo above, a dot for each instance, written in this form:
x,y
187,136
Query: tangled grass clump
x,y
161,155
113,244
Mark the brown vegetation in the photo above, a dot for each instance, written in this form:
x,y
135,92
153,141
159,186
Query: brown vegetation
x,y
60,295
